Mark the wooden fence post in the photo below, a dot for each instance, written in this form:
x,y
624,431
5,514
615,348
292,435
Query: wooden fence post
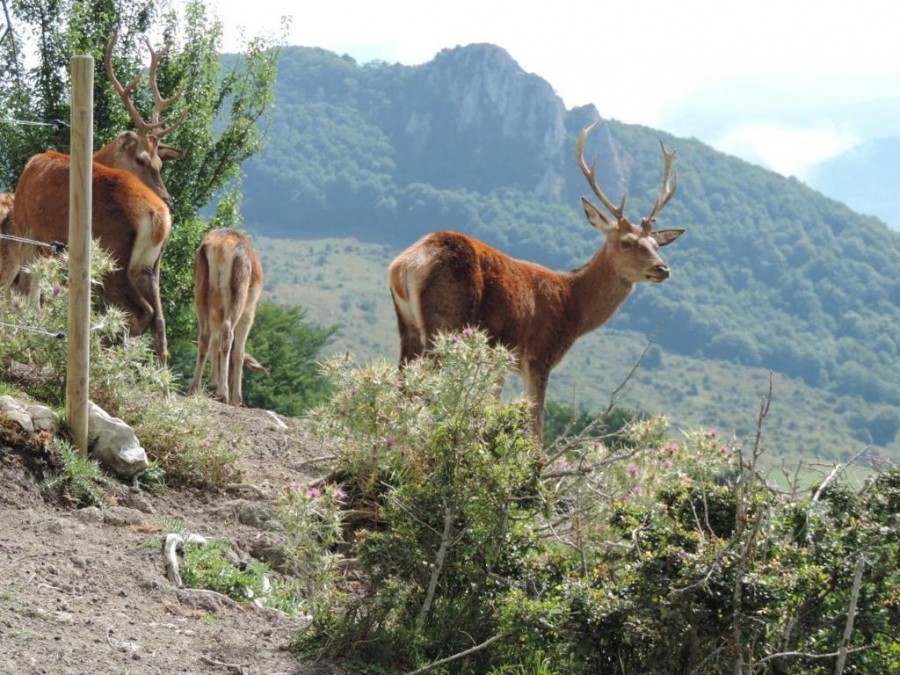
x,y
80,205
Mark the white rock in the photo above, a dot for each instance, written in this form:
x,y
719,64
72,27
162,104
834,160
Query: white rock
x,y
113,443
11,408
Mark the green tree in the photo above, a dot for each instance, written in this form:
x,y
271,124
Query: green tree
x,y
288,345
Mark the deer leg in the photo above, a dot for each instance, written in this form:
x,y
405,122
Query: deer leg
x,y
159,319
536,379
412,345
11,274
224,346
202,353
145,283
239,351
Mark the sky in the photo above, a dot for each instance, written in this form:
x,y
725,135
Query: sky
x,y
771,81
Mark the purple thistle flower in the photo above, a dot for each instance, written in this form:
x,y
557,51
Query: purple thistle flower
x,y
467,331
57,291
632,469
314,492
667,464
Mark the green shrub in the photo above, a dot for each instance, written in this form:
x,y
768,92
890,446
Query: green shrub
x,y
481,554
125,378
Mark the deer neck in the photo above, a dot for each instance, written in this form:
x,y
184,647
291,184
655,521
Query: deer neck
x,y
597,291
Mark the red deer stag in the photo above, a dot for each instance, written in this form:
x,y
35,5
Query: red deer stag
x,y
130,218
228,280
447,281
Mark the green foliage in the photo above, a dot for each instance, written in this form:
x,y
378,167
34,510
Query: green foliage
x,y
177,433
312,522
78,477
289,346
211,565
125,377
562,421
450,474
643,555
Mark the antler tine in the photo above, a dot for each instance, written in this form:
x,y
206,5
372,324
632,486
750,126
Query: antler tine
x,y
125,92
668,192
591,174
159,103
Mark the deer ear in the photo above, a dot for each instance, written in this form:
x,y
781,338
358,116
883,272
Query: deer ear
x,y
128,140
596,218
167,152
664,237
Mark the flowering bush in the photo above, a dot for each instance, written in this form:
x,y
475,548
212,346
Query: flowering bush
x,y
638,553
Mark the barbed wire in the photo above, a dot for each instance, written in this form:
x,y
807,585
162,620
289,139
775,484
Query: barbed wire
x,y
57,125
58,335
54,246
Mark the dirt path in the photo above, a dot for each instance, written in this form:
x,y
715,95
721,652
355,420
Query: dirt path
x,y
85,591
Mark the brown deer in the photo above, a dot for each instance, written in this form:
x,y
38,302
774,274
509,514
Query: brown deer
x,y
447,281
228,280
8,246
130,218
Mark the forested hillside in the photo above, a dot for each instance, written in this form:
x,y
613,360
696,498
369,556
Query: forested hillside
x,y
770,274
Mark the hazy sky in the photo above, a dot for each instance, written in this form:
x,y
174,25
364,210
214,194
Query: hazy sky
x,y
759,79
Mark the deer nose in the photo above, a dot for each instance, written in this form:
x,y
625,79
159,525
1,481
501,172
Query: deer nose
x,y
663,271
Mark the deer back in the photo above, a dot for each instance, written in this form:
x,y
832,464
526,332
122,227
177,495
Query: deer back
x,y
124,209
448,280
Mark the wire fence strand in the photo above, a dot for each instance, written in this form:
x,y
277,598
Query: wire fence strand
x,y
54,246
58,125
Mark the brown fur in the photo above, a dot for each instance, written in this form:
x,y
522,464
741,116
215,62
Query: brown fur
x,y
447,281
130,220
228,280
130,203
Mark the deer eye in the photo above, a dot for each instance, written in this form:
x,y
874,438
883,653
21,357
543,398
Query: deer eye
x,y
627,244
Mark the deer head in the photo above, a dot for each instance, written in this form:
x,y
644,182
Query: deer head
x,y
142,152
634,247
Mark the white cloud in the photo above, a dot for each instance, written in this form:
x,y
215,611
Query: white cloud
x,y
789,150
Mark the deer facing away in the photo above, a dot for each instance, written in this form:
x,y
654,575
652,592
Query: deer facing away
x,y
130,217
448,280
228,280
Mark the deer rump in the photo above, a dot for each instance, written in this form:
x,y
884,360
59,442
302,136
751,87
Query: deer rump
x,y
130,222
228,281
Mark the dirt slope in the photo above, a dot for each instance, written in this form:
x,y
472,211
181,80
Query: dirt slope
x,y
84,591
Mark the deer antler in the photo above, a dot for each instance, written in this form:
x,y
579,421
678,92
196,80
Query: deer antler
x,y
125,93
668,192
591,174
160,103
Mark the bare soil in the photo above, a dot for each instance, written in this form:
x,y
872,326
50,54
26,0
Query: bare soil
x,y
84,590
